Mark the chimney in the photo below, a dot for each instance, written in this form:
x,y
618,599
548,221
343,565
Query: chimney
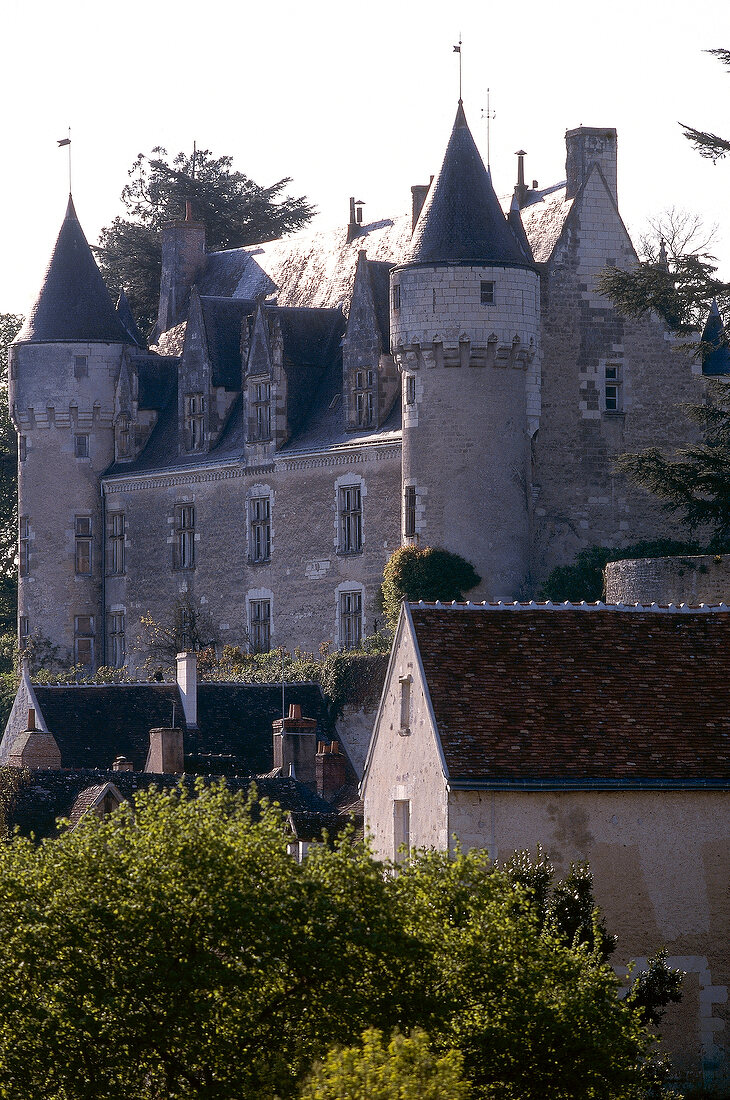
x,y
295,743
355,223
165,756
122,764
183,260
331,770
520,186
418,197
586,146
187,682
34,748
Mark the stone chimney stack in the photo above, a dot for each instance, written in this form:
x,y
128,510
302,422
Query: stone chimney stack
x,y
331,770
586,146
187,682
122,764
34,748
418,197
165,756
183,259
295,742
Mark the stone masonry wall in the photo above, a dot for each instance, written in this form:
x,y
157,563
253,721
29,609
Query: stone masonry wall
x,y
701,578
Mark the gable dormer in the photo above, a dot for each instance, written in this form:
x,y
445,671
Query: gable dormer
x,y
264,385
370,381
194,382
125,409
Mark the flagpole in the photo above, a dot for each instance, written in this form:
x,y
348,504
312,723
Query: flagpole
x,y
67,142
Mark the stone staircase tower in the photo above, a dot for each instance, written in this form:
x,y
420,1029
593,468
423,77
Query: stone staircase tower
x,y
64,366
465,311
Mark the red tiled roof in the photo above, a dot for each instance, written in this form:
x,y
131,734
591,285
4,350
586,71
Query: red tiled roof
x,y
569,695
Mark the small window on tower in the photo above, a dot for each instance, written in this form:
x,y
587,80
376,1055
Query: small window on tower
x,y
83,548
81,445
487,292
612,388
81,366
410,389
396,296
23,447
409,511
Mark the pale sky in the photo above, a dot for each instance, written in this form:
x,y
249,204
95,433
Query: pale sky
x,y
349,100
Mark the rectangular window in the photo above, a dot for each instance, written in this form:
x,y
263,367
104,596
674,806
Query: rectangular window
x,y
81,366
115,534
23,632
115,639
194,420
401,829
24,550
123,436
487,292
409,511
350,620
364,409
81,445
612,387
84,641
410,389
83,545
260,411
260,520
260,625
23,448
350,502
405,702
396,296
184,557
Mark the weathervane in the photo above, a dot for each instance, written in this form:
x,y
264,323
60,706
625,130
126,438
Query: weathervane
x,y
67,143
457,50
488,114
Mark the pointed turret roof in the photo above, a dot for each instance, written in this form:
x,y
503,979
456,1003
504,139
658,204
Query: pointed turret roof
x,y
461,220
715,350
73,304
125,315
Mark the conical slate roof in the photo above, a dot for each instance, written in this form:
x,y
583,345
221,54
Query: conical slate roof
x,y
716,357
73,304
461,220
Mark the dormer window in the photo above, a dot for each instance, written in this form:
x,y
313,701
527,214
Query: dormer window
x,y
487,292
194,421
364,398
260,411
123,436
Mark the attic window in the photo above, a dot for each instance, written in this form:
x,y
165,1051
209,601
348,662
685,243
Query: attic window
x,y
487,292
260,411
194,420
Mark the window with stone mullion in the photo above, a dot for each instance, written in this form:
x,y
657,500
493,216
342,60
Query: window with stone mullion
x,y
350,519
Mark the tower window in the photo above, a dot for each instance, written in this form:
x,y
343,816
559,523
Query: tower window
x,y
84,641
115,635
83,555
260,411
81,445
487,292
259,612
184,556
350,620
23,632
24,550
410,389
260,528
115,533
350,509
81,366
194,420
409,511
612,388
396,295
23,447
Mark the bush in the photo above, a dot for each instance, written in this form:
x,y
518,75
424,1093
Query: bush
x,y
430,574
583,580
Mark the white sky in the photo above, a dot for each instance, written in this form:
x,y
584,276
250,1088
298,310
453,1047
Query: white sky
x,y
348,100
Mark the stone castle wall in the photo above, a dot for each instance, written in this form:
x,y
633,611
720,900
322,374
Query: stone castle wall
x,y
694,579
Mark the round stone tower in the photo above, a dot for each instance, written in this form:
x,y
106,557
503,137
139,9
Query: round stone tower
x,y
64,365
465,310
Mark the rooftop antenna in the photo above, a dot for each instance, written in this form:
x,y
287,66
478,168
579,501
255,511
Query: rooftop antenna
x,y
457,50
67,143
488,114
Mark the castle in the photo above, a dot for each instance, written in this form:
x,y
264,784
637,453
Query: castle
x,y
452,377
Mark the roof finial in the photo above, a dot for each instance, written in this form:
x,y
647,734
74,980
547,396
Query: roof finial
x,y
457,50
67,142
488,115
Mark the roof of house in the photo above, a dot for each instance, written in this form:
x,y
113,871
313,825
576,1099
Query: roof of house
x,y
555,694
94,723
543,219
43,796
73,304
461,220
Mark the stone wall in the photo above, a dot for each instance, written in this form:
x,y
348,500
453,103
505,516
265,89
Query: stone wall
x,y
695,579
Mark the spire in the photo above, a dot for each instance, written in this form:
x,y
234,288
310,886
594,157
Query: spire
x,y
714,350
126,317
73,303
462,220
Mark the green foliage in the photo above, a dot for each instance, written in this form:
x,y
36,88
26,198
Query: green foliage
x,y
680,292
235,210
584,580
10,324
708,144
11,781
655,988
405,1069
174,949
428,573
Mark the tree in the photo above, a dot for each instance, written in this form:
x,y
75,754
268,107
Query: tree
x,y
428,573
175,949
583,579
707,144
235,210
10,324
404,1070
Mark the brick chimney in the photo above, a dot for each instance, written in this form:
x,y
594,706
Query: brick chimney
x,y
331,769
165,756
295,743
187,682
122,764
34,748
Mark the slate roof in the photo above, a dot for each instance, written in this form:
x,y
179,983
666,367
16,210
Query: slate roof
x,y
94,723
126,317
73,304
49,795
716,359
567,695
543,219
461,220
